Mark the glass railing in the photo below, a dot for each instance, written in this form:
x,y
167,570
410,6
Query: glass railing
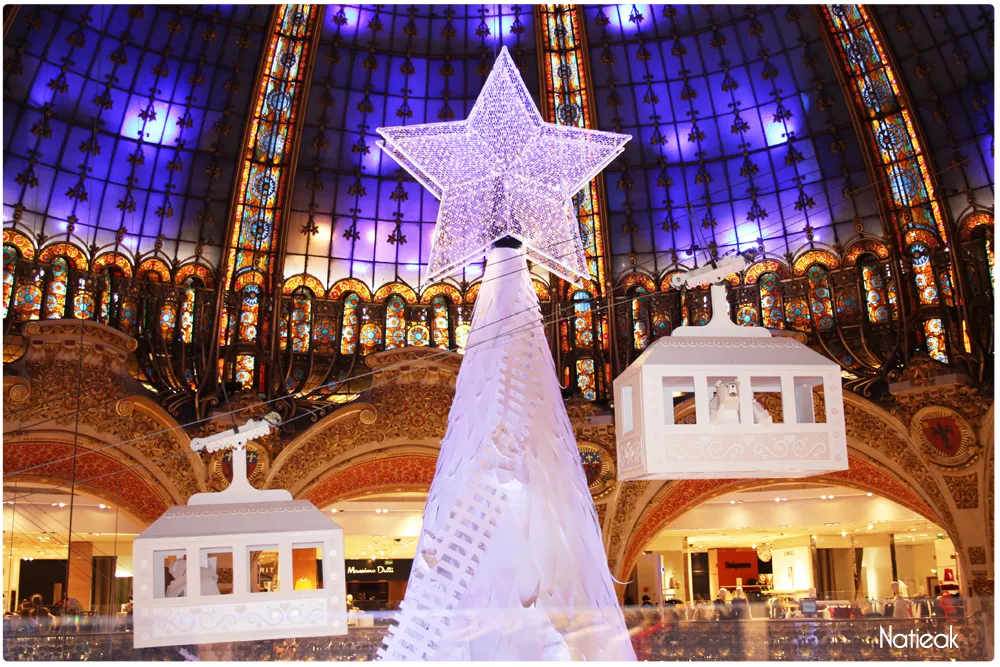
x,y
655,635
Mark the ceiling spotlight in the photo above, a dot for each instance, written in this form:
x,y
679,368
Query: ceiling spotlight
x,y
869,494
823,497
843,533
103,506
385,511
784,500
777,500
378,511
871,527
940,534
334,510
832,497
732,502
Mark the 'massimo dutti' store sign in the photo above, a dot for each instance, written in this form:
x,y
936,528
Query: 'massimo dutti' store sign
x,y
378,569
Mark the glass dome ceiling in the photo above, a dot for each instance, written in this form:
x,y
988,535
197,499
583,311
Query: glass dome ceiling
x,y
122,123
123,126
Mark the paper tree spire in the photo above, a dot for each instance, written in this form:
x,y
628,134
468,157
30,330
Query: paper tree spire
x,y
504,172
509,563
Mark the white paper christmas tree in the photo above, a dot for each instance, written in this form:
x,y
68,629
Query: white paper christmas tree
x,y
509,564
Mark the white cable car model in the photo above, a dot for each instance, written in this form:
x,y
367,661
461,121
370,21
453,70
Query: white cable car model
x,y
268,567
725,367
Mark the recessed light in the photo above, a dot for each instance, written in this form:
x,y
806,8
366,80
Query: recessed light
x,y
832,497
777,500
732,502
871,527
823,497
843,533
869,494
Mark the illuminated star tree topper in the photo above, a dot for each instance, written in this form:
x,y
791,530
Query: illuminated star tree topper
x,y
504,172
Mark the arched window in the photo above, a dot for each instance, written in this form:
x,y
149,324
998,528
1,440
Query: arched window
x,y
55,295
820,301
9,264
395,322
439,323
187,310
771,308
640,319
876,301
349,325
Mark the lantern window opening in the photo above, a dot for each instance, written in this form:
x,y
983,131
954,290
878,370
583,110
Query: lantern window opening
x,y
675,388
263,569
170,574
805,400
217,571
761,387
626,408
307,566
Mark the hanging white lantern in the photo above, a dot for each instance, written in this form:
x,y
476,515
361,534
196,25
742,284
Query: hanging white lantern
x,y
725,368
238,565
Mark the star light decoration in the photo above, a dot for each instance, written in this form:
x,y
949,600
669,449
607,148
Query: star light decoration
x,y
503,172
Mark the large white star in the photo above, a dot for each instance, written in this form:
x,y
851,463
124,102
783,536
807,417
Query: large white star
x,y
504,172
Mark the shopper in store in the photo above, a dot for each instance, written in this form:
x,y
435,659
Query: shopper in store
x,y
740,607
39,618
900,604
721,604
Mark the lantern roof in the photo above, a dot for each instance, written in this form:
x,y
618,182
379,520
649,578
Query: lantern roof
x,y
730,352
238,519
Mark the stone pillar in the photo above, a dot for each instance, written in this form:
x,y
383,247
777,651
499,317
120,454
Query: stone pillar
x,y
81,572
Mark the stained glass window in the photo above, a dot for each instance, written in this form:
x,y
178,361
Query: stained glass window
x,y
439,323
263,174
874,288
395,322
106,296
462,337
249,313
187,310
585,378
28,302
770,301
83,302
371,337
349,326
896,148
244,370
127,316
325,336
583,321
55,296
746,315
168,320
418,336
640,319
820,300
9,264
301,316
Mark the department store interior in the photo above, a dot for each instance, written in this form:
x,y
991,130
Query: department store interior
x,y
200,230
